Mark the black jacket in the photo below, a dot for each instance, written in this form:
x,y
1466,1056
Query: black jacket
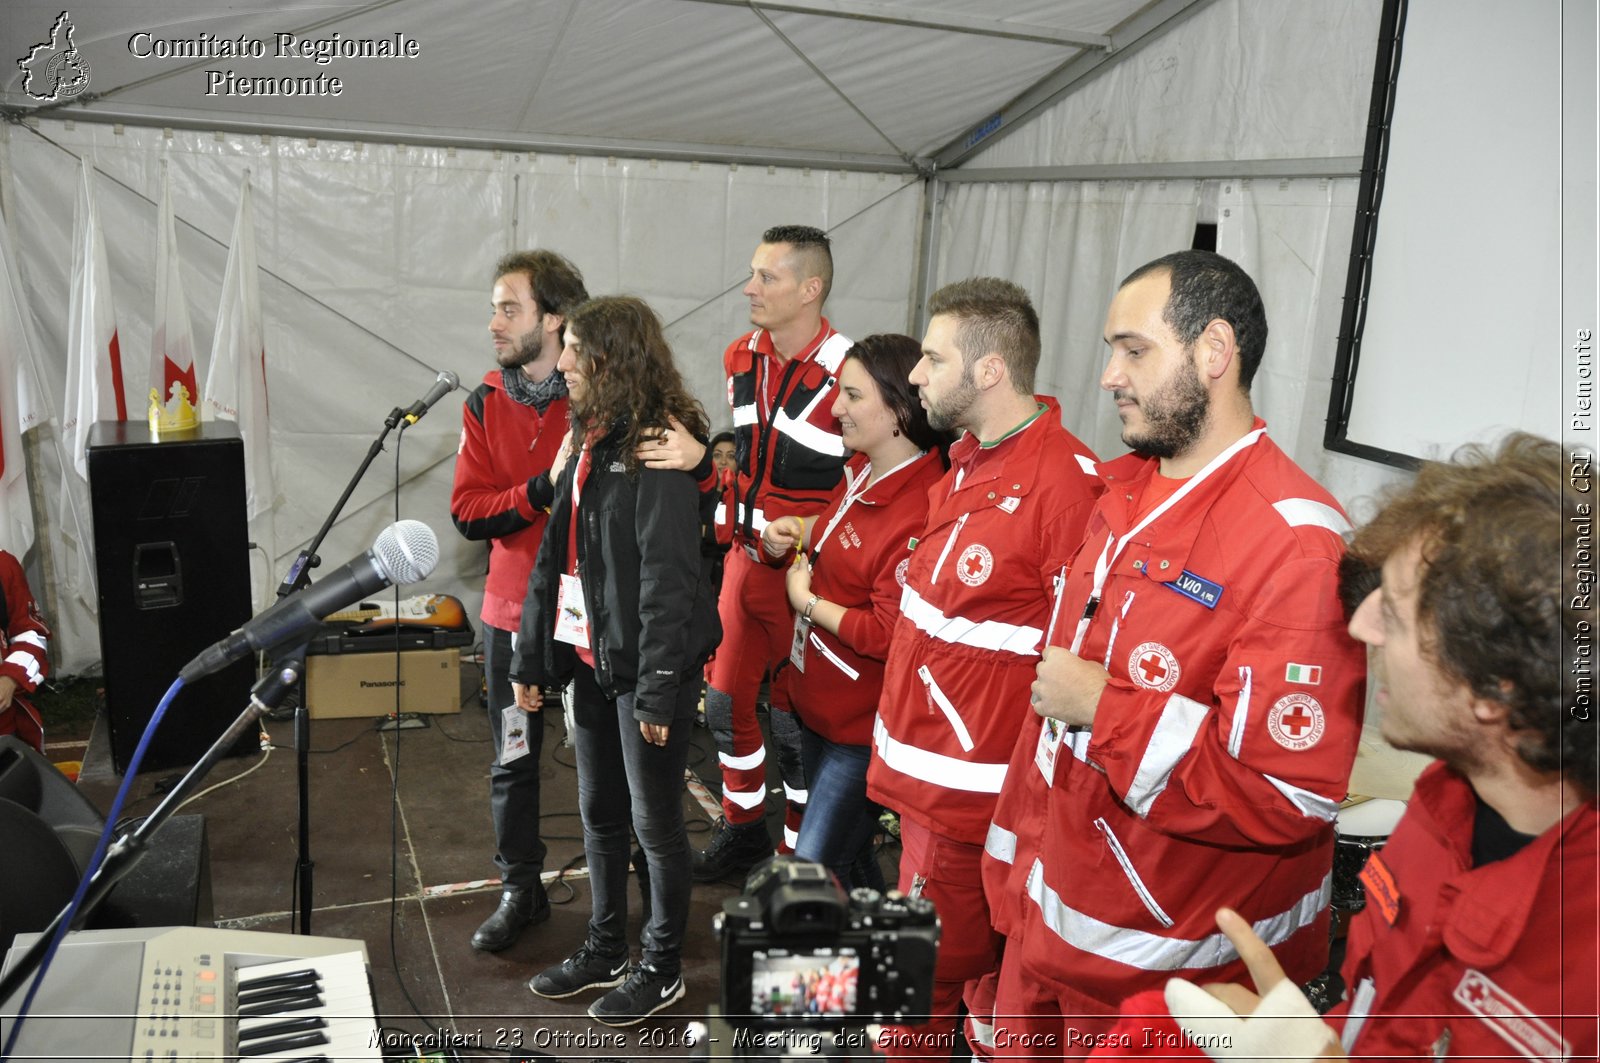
x,y
646,585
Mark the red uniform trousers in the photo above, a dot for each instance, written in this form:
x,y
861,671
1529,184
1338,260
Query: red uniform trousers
x,y
945,871
757,629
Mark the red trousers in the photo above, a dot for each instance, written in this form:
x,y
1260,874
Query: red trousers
x,y
945,871
757,629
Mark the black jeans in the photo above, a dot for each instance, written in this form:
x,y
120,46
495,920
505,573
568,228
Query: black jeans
x,y
514,787
623,782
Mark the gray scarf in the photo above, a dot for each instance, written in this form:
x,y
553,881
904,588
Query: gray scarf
x,y
538,394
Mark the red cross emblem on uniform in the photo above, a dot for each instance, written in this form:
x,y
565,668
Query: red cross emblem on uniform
x,y
974,565
1297,721
1153,666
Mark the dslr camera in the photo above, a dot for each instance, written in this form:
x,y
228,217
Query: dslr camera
x,y
798,951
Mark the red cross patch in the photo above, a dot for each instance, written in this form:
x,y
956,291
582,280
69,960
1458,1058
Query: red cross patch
x,y
1296,721
1153,666
974,565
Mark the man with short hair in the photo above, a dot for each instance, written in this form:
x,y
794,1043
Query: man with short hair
x,y
512,428
781,385
1210,697
1478,939
1002,524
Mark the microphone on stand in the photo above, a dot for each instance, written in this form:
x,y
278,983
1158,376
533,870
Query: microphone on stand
x,y
443,384
406,551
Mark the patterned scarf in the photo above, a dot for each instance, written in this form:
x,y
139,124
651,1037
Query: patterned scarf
x,y
538,394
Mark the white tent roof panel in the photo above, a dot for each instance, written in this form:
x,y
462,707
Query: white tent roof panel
x,y
641,77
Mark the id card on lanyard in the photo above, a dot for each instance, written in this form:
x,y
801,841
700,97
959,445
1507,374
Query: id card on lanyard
x,y
572,617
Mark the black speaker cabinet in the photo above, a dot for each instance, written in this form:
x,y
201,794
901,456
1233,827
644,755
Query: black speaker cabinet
x,y
173,564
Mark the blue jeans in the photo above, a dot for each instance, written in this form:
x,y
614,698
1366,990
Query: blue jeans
x,y
514,787
623,782
840,820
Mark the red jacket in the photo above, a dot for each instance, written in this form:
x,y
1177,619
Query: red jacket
x,y
501,492
25,641
1221,746
1492,962
785,435
1498,960
975,607
861,565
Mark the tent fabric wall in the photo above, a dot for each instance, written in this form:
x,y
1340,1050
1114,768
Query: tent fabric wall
x,y
376,263
1068,243
1240,79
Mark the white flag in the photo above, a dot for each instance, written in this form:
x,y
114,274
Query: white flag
x,y
236,379
20,405
172,340
94,362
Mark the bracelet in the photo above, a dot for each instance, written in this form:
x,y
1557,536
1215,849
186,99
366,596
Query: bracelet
x,y
812,604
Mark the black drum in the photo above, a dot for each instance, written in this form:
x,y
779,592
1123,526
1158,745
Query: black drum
x,y
1359,830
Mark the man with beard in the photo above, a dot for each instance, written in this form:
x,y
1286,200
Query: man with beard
x,y
512,431
1002,524
1201,698
1478,939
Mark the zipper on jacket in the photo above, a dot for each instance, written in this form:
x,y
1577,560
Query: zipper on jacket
x,y
1133,876
949,545
1116,623
830,655
936,697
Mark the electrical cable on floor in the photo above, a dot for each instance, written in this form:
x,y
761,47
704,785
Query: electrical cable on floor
x,y
128,823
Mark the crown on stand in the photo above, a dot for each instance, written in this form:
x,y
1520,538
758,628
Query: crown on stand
x,y
177,415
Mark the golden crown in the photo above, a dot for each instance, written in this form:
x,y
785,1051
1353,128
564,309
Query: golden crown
x,y
177,415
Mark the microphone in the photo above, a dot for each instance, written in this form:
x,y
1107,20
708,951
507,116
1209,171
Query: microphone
x,y
443,384
405,552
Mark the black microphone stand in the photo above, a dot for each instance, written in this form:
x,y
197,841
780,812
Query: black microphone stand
x,y
126,852
299,576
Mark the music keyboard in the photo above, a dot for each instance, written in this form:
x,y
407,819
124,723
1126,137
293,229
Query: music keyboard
x,y
181,993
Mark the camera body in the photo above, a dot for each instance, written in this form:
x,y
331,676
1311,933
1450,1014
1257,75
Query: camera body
x,y
797,951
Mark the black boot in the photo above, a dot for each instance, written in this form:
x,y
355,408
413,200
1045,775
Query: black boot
x,y
735,847
519,907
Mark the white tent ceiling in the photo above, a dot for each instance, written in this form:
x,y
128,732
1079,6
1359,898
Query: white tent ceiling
x,y
861,84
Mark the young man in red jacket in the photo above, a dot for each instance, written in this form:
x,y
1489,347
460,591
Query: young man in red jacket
x,y
782,383
512,430
1002,524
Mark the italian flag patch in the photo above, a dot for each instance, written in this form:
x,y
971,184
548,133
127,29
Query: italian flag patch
x,y
1305,674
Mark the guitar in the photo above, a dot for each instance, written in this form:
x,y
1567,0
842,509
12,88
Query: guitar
x,y
422,610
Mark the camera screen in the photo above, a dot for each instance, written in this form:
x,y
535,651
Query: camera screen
x,y
796,984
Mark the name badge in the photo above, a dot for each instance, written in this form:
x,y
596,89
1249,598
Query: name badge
x,y
797,648
1196,588
572,618
1044,754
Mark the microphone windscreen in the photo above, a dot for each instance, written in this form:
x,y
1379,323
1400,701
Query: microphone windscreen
x,y
406,551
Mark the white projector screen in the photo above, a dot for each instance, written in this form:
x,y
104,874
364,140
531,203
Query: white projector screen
x,y
1464,336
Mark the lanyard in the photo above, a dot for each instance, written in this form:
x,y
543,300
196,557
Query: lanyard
x,y
1114,546
579,476
852,492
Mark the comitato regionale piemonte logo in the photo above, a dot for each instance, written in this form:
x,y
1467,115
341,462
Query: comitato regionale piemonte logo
x,y
55,69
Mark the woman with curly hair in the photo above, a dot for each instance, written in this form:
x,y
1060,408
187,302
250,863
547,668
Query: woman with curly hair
x,y
620,604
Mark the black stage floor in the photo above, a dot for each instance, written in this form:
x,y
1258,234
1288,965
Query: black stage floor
x,y
402,850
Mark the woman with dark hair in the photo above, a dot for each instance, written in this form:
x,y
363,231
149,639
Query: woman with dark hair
x,y
845,589
620,603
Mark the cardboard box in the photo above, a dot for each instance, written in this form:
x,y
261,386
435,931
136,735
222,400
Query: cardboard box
x,y
362,684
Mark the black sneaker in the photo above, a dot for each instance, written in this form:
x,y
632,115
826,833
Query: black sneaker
x,y
646,992
584,969
734,849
